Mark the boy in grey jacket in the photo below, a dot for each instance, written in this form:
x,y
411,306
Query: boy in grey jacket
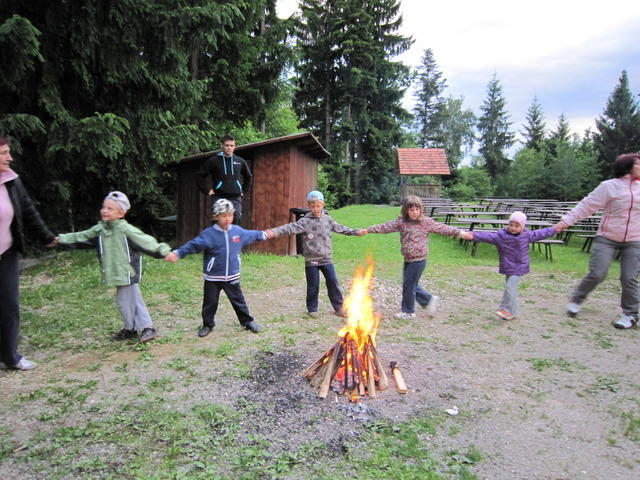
x,y
316,228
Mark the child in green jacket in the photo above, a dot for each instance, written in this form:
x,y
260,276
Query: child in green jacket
x,y
119,246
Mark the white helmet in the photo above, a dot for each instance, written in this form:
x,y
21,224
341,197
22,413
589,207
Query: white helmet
x,y
222,205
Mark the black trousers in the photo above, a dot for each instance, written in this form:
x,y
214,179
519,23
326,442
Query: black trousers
x,y
234,294
9,307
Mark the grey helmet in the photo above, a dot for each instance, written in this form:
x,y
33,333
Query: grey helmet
x,y
222,205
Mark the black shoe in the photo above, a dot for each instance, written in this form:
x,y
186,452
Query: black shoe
x,y
253,326
148,334
124,334
204,331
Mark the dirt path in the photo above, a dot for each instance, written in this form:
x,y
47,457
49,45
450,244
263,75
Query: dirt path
x,y
542,397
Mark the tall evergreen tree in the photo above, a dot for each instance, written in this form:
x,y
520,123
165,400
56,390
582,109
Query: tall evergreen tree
x,y
105,94
618,128
493,126
534,129
430,103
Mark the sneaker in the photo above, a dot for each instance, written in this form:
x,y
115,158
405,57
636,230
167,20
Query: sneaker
x,y
341,313
503,314
431,307
573,309
313,314
253,326
149,334
404,315
124,334
626,321
25,364
3,366
204,331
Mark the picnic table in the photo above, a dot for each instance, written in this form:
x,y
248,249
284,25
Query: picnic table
x,y
472,222
451,213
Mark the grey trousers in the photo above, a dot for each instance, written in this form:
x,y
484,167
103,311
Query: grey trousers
x,y
135,315
509,300
602,255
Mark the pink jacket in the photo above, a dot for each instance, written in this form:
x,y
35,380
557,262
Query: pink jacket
x,y
414,237
619,198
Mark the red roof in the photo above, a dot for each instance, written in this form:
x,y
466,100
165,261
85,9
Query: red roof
x,y
423,161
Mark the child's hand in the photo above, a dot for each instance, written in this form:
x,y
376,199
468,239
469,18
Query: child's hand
x,y
53,243
171,257
362,232
466,235
560,226
270,233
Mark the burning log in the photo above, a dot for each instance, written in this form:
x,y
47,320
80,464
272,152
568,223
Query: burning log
x,y
352,366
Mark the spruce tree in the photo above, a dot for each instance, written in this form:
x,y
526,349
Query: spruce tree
x,y
534,129
457,130
618,128
493,127
430,103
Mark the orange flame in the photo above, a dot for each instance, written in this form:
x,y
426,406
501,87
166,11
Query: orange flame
x,y
362,321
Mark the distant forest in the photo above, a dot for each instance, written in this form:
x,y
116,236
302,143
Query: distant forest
x,y
100,95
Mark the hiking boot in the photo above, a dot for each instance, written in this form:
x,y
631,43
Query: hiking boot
x,y
503,314
204,330
573,309
124,334
24,364
313,314
253,326
405,316
341,313
431,307
149,334
626,321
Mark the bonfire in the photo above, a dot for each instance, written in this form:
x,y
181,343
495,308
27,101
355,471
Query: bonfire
x,y
352,366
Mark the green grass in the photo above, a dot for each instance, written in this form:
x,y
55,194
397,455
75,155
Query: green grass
x,y
66,310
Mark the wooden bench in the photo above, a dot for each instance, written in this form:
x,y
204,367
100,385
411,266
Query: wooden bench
x,y
588,241
548,242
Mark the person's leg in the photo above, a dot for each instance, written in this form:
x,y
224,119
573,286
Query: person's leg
x,y
237,206
210,303
602,254
126,305
629,270
236,297
411,273
312,274
141,318
333,287
509,300
9,307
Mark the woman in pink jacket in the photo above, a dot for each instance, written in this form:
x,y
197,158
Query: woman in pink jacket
x,y
619,231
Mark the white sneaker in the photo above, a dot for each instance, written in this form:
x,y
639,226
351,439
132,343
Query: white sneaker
x,y
404,316
625,321
25,364
432,305
573,309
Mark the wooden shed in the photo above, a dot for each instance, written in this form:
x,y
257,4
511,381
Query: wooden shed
x,y
284,170
421,161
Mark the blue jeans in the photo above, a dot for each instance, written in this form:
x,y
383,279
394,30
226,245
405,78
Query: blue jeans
x,y
411,291
313,286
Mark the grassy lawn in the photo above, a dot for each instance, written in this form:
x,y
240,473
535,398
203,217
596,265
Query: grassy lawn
x,y
128,410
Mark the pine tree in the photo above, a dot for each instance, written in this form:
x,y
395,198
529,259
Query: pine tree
x,y
430,104
534,129
618,128
493,126
457,130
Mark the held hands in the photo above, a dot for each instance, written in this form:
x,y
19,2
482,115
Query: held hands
x,y
270,234
560,226
53,243
171,257
466,235
362,232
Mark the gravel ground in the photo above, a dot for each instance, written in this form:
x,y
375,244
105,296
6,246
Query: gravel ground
x,y
541,397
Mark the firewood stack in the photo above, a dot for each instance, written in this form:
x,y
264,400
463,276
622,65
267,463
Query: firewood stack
x,y
346,370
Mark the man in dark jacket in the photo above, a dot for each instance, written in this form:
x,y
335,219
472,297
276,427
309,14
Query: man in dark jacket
x,y
230,176
16,212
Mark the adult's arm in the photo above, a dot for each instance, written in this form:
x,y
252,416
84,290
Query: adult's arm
x,y
30,214
589,205
202,176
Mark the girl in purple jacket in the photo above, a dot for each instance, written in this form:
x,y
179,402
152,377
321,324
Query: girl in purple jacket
x,y
513,249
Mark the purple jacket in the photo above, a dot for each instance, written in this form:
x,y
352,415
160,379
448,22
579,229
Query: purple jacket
x,y
513,249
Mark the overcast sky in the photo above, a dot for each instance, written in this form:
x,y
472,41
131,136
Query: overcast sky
x,y
568,53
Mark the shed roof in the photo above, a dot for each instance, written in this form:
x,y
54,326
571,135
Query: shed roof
x,y
423,161
306,141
